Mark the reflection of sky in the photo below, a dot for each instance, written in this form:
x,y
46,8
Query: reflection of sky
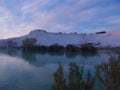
x,y
19,72
18,17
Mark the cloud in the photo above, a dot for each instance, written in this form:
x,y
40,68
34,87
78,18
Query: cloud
x,y
62,15
114,20
59,15
10,25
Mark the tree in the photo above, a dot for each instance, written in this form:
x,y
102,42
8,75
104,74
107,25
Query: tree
x,y
60,82
109,74
11,44
88,47
75,79
72,48
29,42
89,82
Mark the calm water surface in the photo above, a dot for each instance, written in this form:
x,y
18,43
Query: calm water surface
x,y
34,71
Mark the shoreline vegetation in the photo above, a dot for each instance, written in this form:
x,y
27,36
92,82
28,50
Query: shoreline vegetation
x,y
40,40
107,73
74,80
29,44
59,48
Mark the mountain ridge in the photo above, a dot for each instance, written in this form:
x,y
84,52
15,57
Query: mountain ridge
x,y
64,39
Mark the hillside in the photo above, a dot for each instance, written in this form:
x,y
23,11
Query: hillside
x,y
48,38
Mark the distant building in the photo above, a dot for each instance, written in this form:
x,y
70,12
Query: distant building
x,y
102,32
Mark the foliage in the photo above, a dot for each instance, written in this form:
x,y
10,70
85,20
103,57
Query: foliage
x,y
75,79
72,48
29,42
60,82
10,44
41,48
109,74
56,47
89,83
88,47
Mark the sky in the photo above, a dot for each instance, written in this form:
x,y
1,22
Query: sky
x,y
19,17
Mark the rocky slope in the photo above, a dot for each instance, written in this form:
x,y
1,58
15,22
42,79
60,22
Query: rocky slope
x,y
48,38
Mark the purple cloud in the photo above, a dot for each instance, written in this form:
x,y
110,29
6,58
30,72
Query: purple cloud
x,y
59,16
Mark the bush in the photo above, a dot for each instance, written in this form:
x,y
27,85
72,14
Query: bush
x,y
60,82
109,74
88,47
55,48
75,79
72,48
28,43
42,48
11,44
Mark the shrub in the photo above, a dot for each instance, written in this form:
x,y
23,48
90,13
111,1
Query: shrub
x,y
88,47
56,47
11,44
75,79
109,74
42,48
60,82
28,43
72,48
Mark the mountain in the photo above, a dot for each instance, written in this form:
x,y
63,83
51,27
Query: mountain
x,y
49,38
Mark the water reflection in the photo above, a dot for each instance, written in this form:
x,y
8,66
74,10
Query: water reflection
x,y
88,54
56,53
34,70
71,54
17,74
29,56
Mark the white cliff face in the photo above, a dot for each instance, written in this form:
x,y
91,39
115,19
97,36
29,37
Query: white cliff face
x,y
47,39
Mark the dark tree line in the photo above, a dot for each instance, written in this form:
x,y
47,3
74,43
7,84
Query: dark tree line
x,y
30,44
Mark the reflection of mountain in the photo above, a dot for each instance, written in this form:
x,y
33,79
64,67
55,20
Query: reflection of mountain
x,y
30,69
43,58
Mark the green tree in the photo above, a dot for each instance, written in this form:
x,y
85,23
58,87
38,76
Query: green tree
x,y
60,82
89,82
76,81
75,77
109,74
28,42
